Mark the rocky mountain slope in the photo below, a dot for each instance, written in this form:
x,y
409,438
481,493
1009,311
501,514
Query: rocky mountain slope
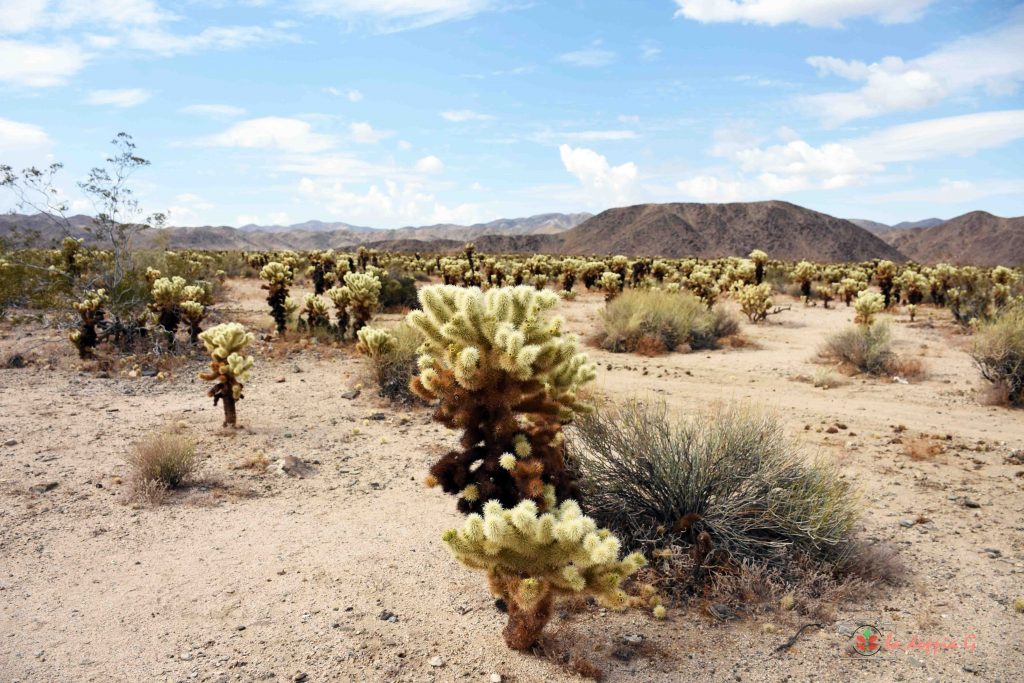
x,y
977,238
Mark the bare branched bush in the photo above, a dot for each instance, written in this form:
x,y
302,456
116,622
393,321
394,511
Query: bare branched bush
x,y
160,463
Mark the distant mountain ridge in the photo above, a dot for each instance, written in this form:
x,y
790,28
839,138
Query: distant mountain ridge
x,y
784,230
882,228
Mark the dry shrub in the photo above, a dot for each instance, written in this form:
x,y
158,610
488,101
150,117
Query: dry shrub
x,y
867,348
673,318
394,368
257,461
826,378
727,486
650,346
876,563
907,368
998,351
562,648
160,463
922,448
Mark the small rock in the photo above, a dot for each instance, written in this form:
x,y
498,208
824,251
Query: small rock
x,y
723,612
376,416
350,394
972,669
632,639
495,678
291,466
11,442
185,656
240,627
300,677
16,361
436,662
388,616
971,503
623,654
43,488
149,372
279,380
994,552
907,523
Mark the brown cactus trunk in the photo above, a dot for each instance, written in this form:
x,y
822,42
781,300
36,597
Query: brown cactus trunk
x,y
229,408
524,626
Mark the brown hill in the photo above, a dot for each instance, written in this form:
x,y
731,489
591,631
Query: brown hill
x,y
977,238
784,230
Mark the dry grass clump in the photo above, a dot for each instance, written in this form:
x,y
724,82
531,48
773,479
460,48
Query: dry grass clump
x,y
653,321
868,349
725,485
998,351
826,378
160,463
393,361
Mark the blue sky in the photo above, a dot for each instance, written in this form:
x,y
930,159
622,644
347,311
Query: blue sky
x,y
407,112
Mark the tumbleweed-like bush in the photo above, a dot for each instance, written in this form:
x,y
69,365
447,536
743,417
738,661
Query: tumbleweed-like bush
x,y
508,377
229,367
998,351
161,462
656,319
533,558
866,348
725,484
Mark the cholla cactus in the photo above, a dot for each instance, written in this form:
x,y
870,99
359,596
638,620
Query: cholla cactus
x,y
321,270
71,256
194,313
375,342
278,277
760,259
804,273
849,287
755,301
364,293
509,379
168,294
704,285
912,311
229,367
315,310
531,559
91,312
866,306
611,283
341,297
885,275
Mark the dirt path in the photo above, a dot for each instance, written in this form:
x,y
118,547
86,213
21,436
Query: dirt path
x,y
341,576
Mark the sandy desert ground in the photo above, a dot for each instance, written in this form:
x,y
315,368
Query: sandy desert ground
x,y
340,575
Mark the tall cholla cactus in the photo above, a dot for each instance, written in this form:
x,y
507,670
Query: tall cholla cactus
x,y
531,559
755,301
91,312
759,258
316,312
341,297
278,277
804,273
228,367
193,308
867,305
509,379
885,275
364,293
168,295
611,283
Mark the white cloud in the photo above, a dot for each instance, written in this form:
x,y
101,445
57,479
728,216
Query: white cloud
x,y
797,165
395,15
188,210
365,134
23,144
463,115
225,111
430,164
167,44
649,50
272,132
590,57
130,97
605,183
950,191
830,13
39,66
992,61
711,189
20,16
386,204
354,96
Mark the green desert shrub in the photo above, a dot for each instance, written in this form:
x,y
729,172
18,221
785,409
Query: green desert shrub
x,y
998,350
392,356
655,319
867,348
727,484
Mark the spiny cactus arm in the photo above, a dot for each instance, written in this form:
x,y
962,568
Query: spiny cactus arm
x,y
225,339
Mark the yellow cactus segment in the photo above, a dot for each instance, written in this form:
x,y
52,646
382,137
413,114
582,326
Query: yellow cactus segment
x,y
660,612
276,274
375,342
94,300
522,446
561,552
169,291
867,304
480,336
508,461
471,493
226,339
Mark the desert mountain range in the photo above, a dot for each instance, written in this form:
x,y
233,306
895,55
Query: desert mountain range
x,y
782,229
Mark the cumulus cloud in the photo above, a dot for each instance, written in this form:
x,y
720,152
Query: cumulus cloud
x,y
22,143
430,164
365,134
129,97
272,132
992,61
605,183
828,13
387,203
189,210
39,66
